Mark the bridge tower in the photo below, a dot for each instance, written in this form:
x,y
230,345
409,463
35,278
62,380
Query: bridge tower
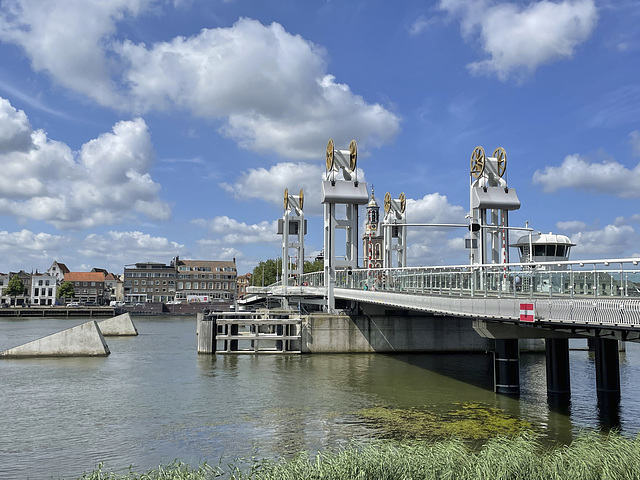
x,y
393,227
293,227
491,200
347,192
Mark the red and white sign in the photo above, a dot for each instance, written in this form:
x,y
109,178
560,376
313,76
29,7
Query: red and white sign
x,y
526,312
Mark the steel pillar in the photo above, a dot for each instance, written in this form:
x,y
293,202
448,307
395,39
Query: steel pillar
x,y
558,378
607,368
506,366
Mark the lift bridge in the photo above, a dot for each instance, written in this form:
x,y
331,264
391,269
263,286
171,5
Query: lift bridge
x,y
543,295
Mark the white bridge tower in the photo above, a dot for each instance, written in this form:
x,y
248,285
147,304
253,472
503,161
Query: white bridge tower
x,y
491,200
347,192
394,227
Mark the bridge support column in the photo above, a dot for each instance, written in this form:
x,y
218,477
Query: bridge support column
x,y
506,366
557,363
607,369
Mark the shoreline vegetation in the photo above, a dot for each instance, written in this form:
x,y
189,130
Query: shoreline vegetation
x,y
590,456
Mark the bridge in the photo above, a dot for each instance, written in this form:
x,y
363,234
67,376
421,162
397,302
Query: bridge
x,y
545,295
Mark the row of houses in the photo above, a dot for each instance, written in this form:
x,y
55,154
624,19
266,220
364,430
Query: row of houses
x,y
179,281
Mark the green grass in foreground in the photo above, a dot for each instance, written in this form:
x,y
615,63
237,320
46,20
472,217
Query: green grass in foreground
x,y
591,456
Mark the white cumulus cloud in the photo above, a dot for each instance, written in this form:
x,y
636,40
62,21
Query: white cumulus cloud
x,y
269,184
271,88
105,181
120,248
233,232
518,39
25,249
435,245
601,177
613,241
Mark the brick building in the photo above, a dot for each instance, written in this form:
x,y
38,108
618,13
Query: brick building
x,y
205,280
89,287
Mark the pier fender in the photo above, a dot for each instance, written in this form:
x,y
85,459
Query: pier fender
x,y
121,325
83,340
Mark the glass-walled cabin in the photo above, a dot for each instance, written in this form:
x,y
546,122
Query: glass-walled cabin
x,y
543,247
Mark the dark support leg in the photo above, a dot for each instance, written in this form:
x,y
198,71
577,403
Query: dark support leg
x,y
506,367
607,369
233,344
558,379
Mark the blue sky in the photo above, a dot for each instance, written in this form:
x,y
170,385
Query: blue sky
x,y
137,130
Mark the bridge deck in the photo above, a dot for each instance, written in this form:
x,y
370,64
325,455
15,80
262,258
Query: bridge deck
x,y
599,292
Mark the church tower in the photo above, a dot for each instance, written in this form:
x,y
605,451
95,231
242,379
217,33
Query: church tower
x,y
372,240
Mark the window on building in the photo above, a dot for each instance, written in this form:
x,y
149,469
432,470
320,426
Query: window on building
x,y
188,285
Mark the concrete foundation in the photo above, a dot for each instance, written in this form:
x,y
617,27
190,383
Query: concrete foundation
x,y
384,333
84,340
122,325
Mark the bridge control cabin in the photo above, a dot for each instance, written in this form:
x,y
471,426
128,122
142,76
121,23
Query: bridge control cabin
x,y
543,247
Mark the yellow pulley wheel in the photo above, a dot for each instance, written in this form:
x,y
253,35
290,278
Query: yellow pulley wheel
x,y
477,161
330,153
501,155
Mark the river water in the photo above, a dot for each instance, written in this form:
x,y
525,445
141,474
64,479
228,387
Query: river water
x,y
154,399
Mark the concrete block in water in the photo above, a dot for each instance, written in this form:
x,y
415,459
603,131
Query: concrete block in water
x,y
84,340
118,326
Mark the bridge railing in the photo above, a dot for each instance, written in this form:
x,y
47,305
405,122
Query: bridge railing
x,y
590,279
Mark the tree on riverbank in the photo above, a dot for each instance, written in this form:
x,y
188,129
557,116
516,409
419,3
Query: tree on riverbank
x,y
15,288
66,291
269,271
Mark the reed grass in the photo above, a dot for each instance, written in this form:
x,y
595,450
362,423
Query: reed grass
x,y
591,456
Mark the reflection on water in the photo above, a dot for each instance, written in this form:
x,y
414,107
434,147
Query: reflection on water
x,y
154,399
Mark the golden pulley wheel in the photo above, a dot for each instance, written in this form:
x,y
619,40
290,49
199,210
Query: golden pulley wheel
x,y
501,155
286,199
477,161
330,150
353,155
403,202
387,202
301,199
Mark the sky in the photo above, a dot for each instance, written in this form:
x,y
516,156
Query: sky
x,y
138,130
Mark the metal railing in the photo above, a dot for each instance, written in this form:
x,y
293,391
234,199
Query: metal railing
x,y
579,279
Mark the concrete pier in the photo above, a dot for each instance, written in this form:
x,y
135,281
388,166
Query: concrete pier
x,y
607,368
557,366
506,359
380,332
84,340
122,325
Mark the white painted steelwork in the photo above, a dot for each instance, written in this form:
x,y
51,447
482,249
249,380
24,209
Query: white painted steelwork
x,y
579,292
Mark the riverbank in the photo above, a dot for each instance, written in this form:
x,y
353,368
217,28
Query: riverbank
x,y
591,456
